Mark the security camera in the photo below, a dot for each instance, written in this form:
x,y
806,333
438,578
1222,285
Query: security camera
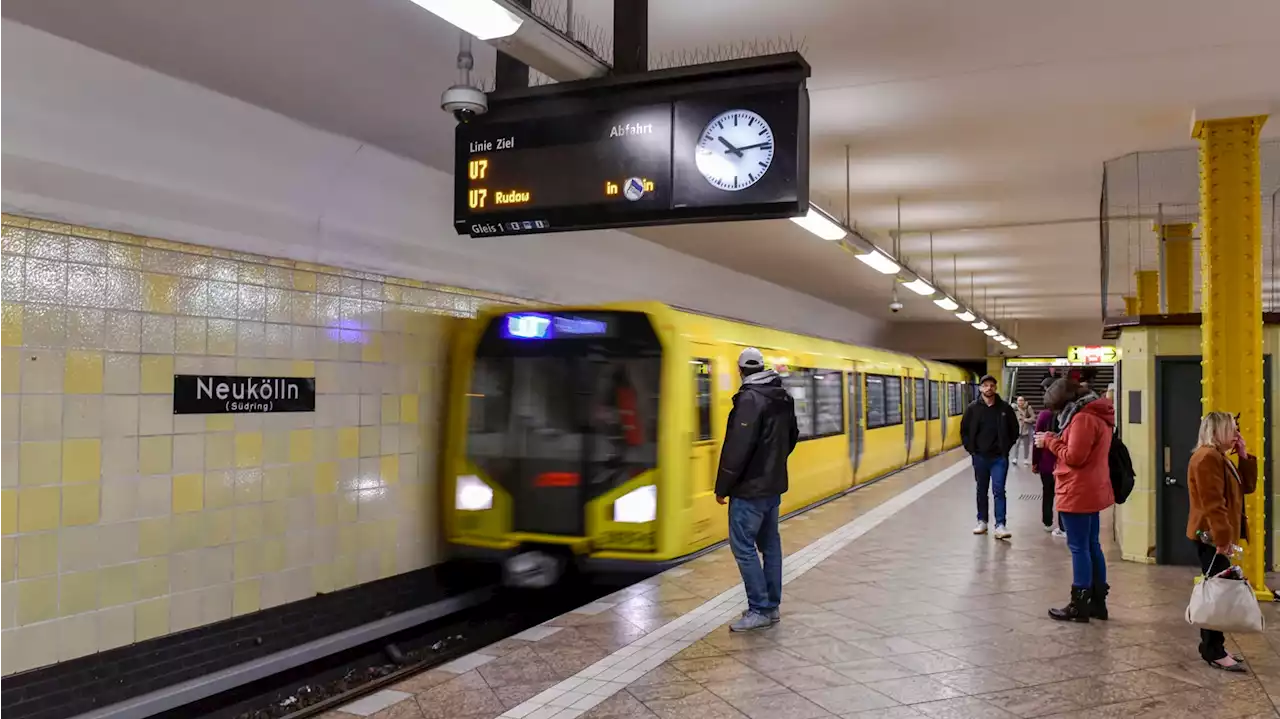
x,y
895,306
465,102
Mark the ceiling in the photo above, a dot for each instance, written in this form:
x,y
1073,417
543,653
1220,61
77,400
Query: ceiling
x,y
988,120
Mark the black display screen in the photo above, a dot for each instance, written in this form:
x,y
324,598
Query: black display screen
x,y
725,144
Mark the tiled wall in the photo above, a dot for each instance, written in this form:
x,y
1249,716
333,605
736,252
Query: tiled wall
x,y
124,522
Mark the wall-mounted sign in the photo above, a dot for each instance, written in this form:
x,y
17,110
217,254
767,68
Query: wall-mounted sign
x,y
1093,355
219,394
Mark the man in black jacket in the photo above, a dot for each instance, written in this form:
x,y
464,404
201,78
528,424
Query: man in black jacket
x,y
989,430
759,437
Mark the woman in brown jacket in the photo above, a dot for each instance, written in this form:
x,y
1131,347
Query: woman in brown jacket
x,y
1216,521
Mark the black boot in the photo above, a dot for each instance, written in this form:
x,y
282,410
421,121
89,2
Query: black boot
x,y
1098,601
1077,610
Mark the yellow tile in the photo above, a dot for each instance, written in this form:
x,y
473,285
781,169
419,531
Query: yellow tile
x,y
370,441
247,597
157,374
408,408
82,373
117,585
390,469
275,519
386,564
219,423
219,450
322,578
248,523
347,507
159,293
38,509
219,489
369,536
348,443
11,374
151,619
155,454
304,281
390,409
186,532
248,449
326,510
78,593
37,600
9,511
153,577
219,527
40,463
326,478
344,572
348,540
8,559
248,560
188,493
153,537
11,324
300,446
81,504
275,484
272,556
81,460
37,555
371,351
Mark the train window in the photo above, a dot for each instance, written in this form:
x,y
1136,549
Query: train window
x,y
799,384
921,412
828,398
892,401
702,390
935,400
954,394
875,401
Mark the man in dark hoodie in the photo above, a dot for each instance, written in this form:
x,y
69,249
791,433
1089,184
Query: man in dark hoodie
x,y
989,430
760,435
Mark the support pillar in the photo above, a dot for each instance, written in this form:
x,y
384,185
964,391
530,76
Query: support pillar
x,y
1130,306
1177,266
630,36
1231,299
508,72
1148,291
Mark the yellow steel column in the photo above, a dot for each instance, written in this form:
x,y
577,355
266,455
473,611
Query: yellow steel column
x,y
1130,306
1231,299
1177,266
1148,291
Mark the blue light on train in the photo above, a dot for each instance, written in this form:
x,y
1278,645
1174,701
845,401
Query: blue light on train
x,y
528,327
537,326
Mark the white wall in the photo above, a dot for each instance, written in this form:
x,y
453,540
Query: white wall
x,y
93,140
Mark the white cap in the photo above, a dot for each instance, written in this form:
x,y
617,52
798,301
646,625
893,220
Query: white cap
x,y
751,359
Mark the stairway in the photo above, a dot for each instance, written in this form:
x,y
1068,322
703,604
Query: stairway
x,y
1027,381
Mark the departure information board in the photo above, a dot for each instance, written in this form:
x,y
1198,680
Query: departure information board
x,y
722,142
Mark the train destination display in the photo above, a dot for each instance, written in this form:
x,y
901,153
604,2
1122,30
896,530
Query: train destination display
x,y
721,142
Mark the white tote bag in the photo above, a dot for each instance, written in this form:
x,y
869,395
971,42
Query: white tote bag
x,y
1227,605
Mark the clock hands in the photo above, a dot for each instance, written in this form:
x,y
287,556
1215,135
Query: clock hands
x,y
732,149
752,147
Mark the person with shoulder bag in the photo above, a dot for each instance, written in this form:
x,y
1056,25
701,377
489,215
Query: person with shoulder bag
x,y
1216,488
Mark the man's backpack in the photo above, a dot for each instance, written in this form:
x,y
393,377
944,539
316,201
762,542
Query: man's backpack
x,y
1121,467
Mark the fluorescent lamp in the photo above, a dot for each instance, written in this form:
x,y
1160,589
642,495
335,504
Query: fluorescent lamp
x,y
1007,343
999,338
990,331
919,286
979,325
483,19
819,224
1013,346
878,262
946,303
966,316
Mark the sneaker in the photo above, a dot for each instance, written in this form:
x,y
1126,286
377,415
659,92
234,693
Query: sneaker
x,y
1048,528
775,615
981,528
751,621
1058,532
1001,532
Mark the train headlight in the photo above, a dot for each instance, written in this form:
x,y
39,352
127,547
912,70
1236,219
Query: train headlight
x,y
637,506
472,494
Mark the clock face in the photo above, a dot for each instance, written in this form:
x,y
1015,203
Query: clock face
x,y
735,150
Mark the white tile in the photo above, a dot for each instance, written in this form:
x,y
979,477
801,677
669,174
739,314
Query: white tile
x,y
520,712
536,634
547,695
566,699
374,703
569,713
678,572
594,608
590,686
572,683
587,702
543,713
464,664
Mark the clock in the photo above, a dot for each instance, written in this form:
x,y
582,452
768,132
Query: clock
x,y
735,150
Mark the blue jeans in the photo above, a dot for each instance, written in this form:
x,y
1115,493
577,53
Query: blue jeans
x,y
1088,564
753,524
989,470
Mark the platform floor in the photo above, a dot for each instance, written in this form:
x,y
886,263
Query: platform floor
x,y
892,609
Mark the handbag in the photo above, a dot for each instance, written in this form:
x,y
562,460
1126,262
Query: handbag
x,y
1225,605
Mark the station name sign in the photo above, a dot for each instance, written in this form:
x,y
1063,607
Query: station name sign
x,y
222,394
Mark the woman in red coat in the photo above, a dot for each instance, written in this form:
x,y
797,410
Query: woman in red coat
x,y
1083,490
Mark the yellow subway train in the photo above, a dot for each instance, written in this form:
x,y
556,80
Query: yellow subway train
x,y
589,437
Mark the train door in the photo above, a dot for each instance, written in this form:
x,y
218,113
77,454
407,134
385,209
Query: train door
x,y
704,451
944,397
855,421
908,426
